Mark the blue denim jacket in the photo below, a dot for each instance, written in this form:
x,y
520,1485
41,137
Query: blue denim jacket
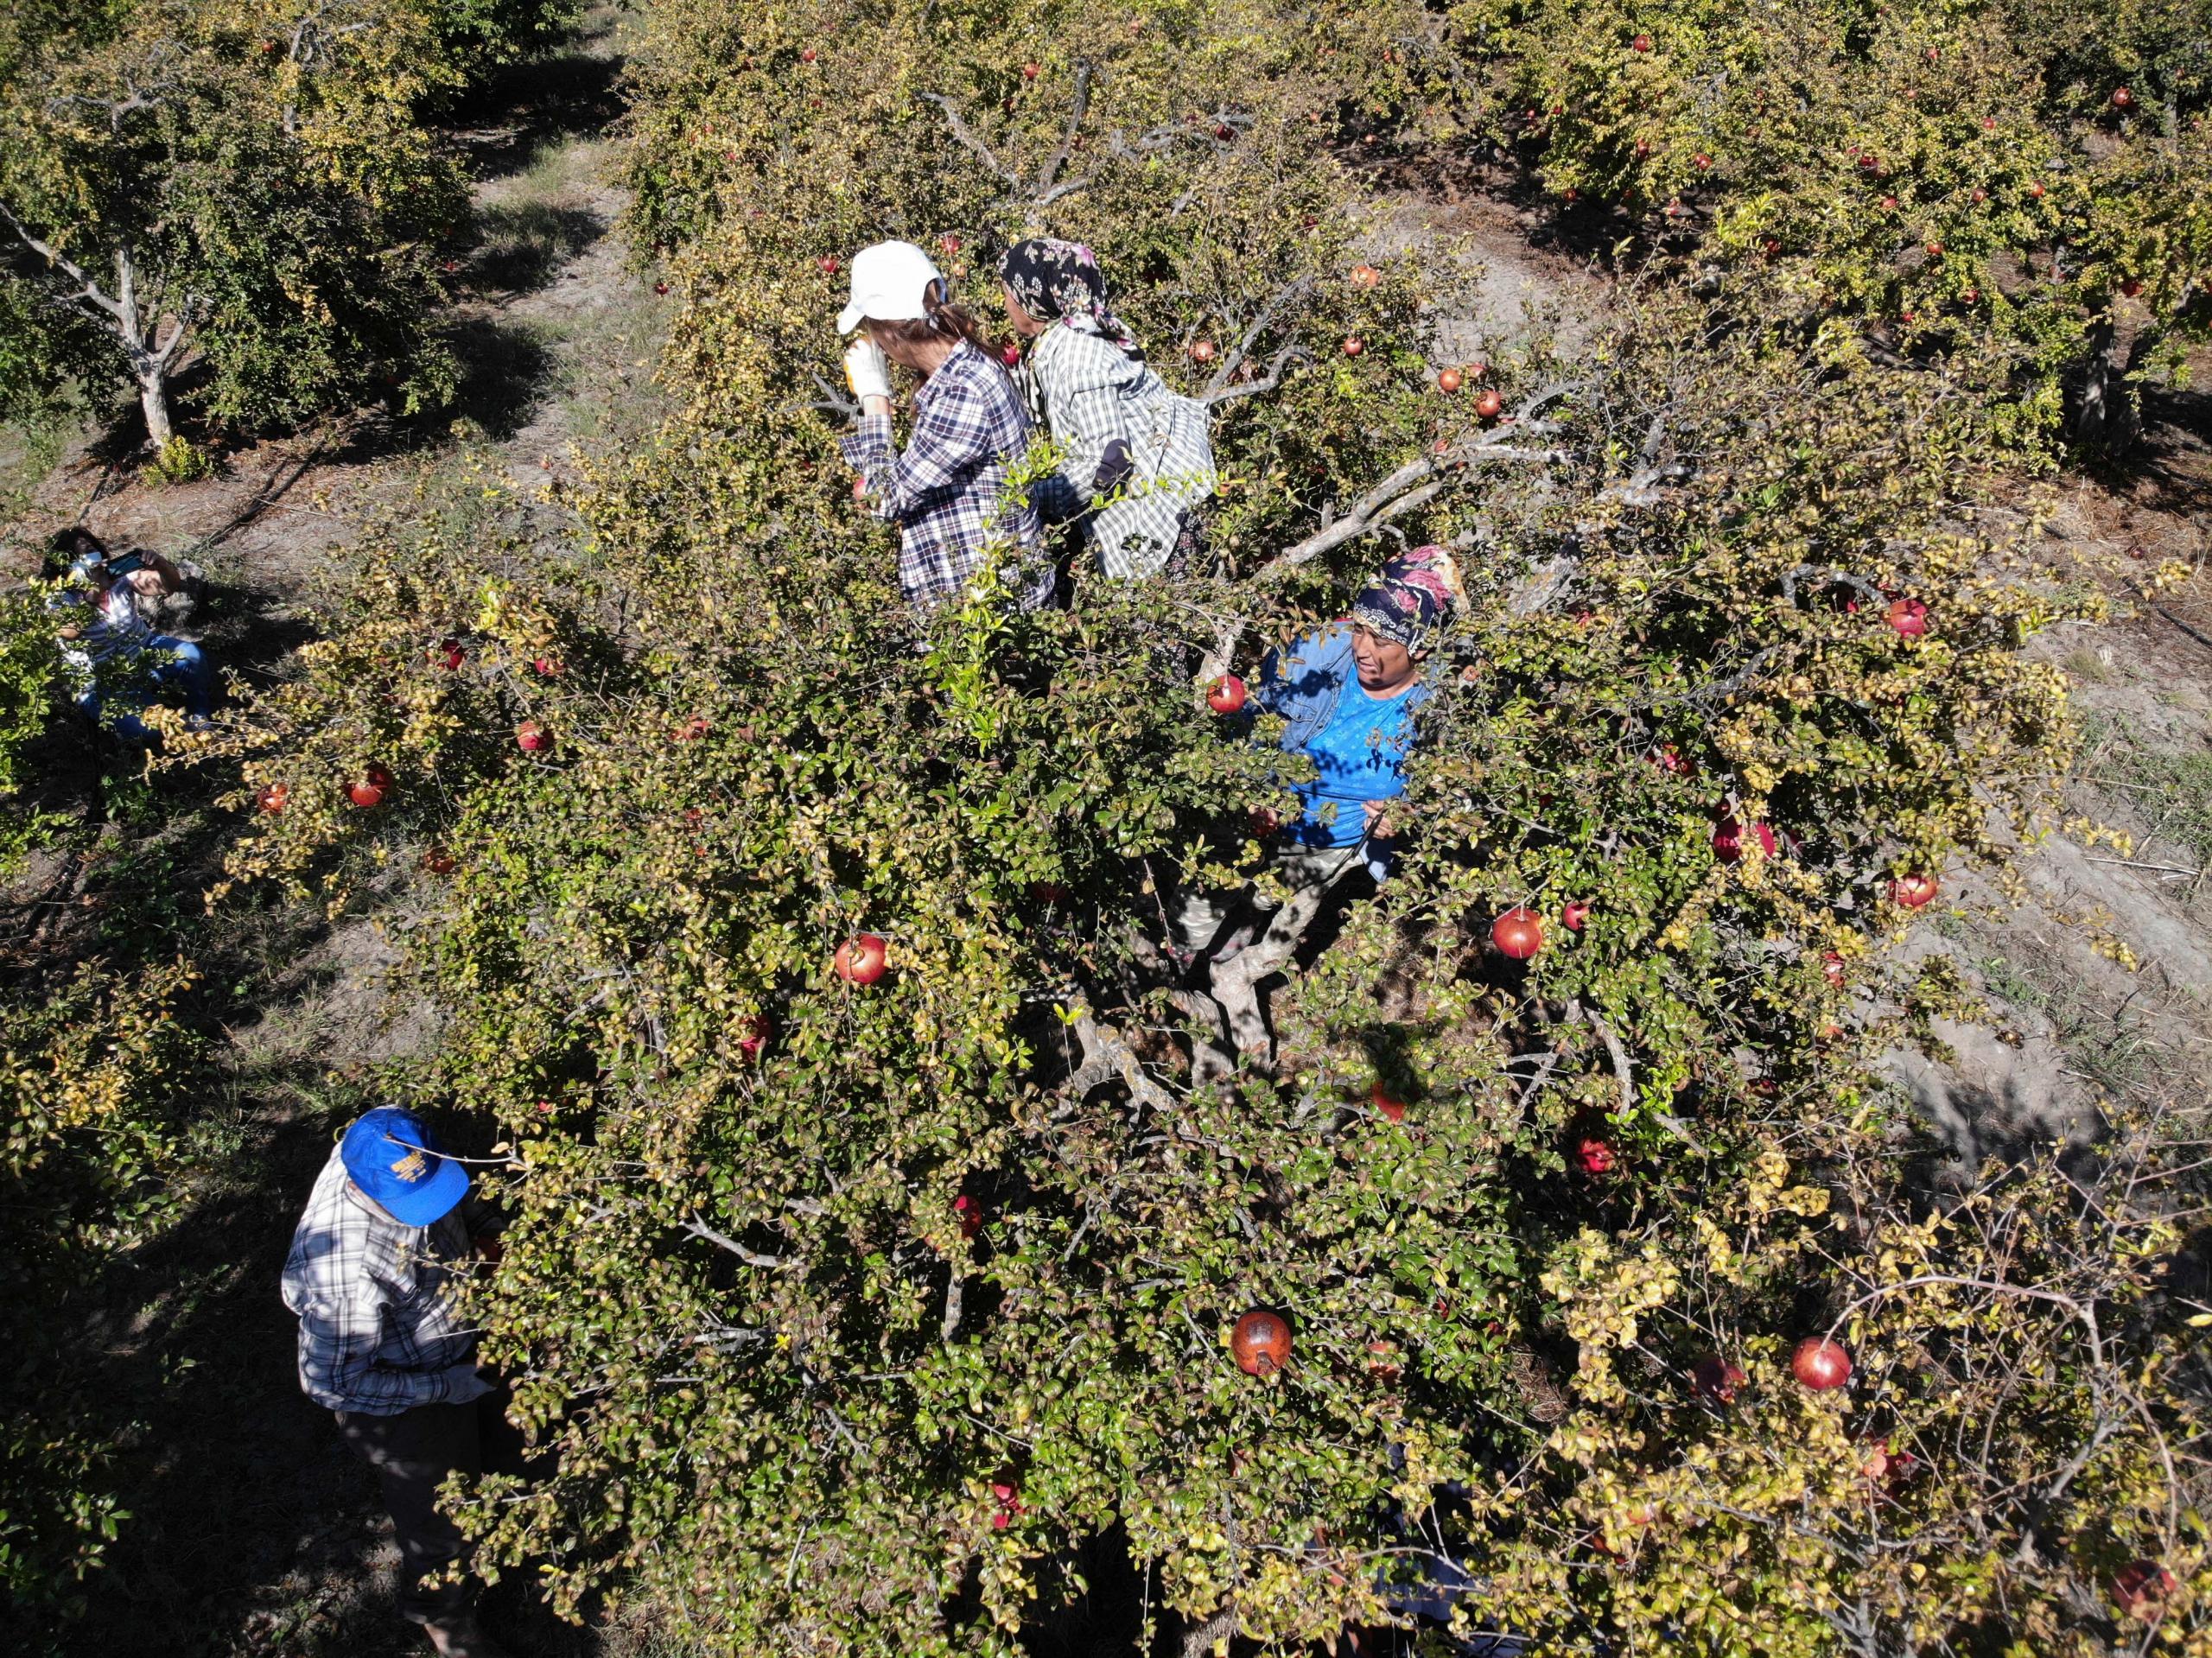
x,y
1303,685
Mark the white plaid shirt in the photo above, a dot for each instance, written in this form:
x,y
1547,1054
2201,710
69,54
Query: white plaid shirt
x,y
378,1333
946,489
1093,392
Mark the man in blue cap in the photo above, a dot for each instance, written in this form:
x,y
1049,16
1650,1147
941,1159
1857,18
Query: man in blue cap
x,y
371,1274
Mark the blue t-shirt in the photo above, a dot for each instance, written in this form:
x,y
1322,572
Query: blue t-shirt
x,y
1358,756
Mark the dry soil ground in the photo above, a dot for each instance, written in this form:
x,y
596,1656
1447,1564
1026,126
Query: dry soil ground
x,y
252,1530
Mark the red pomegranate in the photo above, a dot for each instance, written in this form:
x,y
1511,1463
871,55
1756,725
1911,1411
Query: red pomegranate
x,y
863,959
2141,1587
1594,1155
1517,933
1820,1364
1715,1379
1731,838
1915,891
369,789
1260,1344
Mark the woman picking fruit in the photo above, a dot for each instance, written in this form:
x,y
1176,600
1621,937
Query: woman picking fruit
x,y
947,489
1347,693
114,659
1138,462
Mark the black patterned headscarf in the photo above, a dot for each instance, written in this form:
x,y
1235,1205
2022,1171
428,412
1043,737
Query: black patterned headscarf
x,y
1412,597
1061,281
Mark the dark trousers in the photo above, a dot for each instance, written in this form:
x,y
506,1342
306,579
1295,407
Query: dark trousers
x,y
412,1453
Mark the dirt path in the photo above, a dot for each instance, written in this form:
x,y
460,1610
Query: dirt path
x,y
252,1531
2098,969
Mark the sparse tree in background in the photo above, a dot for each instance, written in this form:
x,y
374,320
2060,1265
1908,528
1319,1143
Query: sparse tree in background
x,y
238,191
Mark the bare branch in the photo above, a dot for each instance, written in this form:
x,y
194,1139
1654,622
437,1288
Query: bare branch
x,y
1106,1056
1412,485
1065,188
1282,297
89,289
699,1228
1235,981
1626,1078
1272,378
1051,171
1542,585
966,137
953,1298
1204,1636
1858,584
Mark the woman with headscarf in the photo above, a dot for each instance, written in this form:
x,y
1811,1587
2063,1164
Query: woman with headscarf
x,y
1138,461
1347,695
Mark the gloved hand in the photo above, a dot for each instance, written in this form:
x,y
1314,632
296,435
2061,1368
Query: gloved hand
x,y
868,371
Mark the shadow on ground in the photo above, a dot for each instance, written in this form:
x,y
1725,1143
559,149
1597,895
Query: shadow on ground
x,y
527,107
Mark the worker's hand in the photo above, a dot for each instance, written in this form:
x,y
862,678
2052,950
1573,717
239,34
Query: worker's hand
x,y
146,582
868,371
1379,826
489,1249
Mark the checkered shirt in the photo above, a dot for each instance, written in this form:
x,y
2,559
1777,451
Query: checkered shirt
x,y
378,1331
1093,392
946,489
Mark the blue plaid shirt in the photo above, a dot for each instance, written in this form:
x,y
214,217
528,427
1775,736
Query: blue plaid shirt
x,y
378,1333
947,489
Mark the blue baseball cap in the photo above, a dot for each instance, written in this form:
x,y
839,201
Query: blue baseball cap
x,y
394,1158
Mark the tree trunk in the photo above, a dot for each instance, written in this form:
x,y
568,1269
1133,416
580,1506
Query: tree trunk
x,y
154,399
151,357
2105,419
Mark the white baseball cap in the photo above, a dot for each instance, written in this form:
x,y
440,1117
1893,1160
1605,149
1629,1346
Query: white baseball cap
x,y
890,280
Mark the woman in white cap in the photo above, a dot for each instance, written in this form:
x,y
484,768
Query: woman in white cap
x,y
947,490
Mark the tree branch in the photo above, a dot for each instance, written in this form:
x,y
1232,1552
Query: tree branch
x,y
1626,1078
699,1228
1411,486
1288,355
89,289
965,136
1106,1056
1858,584
1235,981
1237,353
1051,171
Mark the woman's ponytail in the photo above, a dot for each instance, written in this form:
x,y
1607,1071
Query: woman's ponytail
x,y
941,319
945,318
